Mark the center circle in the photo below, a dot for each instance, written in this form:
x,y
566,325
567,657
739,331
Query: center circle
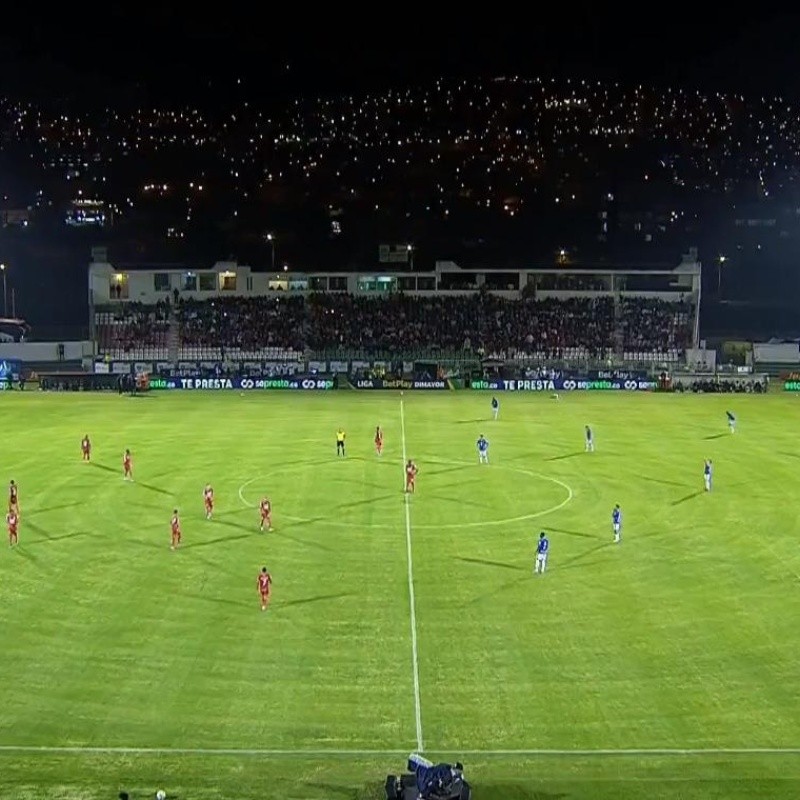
x,y
483,475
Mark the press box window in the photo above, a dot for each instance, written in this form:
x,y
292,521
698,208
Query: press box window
x,y
227,281
161,282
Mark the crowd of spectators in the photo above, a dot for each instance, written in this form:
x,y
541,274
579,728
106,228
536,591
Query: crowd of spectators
x,y
132,326
243,323
649,324
482,324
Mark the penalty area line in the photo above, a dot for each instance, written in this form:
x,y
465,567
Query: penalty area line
x,y
333,753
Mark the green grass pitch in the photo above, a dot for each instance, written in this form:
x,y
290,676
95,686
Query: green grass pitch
x,y
128,666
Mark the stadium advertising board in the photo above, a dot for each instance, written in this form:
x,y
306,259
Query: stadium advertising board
x,y
616,375
399,383
10,370
566,383
791,381
244,383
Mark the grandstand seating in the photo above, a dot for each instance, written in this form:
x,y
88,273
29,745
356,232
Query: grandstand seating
x,y
133,331
285,328
653,330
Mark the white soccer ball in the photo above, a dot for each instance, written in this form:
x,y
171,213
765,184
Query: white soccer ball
x,y
161,795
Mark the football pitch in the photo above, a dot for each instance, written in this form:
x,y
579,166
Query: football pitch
x,y
662,667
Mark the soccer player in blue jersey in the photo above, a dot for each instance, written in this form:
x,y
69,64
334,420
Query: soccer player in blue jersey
x,y
495,407
542,549
616,523
731,421
589,440
707,474
483,450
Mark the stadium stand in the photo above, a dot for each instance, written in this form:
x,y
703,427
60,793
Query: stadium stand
x,y
654,330
284,328
133,331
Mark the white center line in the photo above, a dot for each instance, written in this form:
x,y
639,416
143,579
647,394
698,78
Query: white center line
x,y
411,598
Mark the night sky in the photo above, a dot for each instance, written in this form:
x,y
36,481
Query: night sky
x,y
171,54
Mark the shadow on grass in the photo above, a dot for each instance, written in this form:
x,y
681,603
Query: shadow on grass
x,y
37,528
471,421
445,470
228,524
487,563
565,455
664,481
714,436
459,500
344,506
75,535
316,599
152,488
105,467
580,534
502,588
578,561
460,483
157,543
230,512
211,542
22,552
48,509
227,601
686,498
307,542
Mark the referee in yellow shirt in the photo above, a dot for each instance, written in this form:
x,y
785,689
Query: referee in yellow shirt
x,y
340,437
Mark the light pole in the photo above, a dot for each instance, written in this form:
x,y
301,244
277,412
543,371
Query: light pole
x,y
720,261
271,240
5,290
410,249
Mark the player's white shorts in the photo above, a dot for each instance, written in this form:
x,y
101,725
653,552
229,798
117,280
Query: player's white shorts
x,y
541,560
483,457
616,527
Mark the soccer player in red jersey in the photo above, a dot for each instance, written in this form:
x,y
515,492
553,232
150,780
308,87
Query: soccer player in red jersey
x,y
264,587
411,476
127,466
266,514
12,521
86,448
208,499
13,497
378,440
175,525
